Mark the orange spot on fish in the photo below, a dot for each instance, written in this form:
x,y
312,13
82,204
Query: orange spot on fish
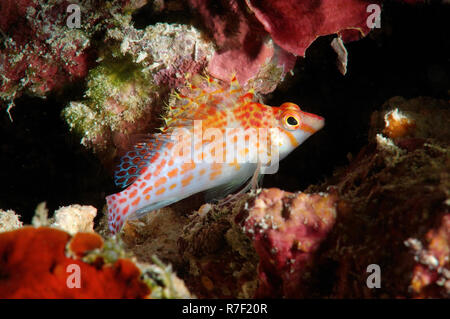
x,y
148,176
202,171
160,191
173,173
173,186
136,201
133,193
187,180
214,174
122,200
147,197
187,167
154,158
148,189
169,145
160,181
125,210
160,167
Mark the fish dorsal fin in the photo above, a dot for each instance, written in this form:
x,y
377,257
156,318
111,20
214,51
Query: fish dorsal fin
x,y
201,97
134,161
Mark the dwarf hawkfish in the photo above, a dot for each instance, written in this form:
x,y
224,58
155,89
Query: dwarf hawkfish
x,y
216,137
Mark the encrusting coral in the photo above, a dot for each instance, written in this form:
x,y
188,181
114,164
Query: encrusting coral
x,y
257,246
389,207
129,87
34,265
9,220
50,262
395,195
41,53
253,34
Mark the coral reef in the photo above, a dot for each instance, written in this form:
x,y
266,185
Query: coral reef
x,y
431,276
34,265
272,243
396,190
388,207
75,218
257,246
286,230
127,90
244,30
218,259
9,220
72,219
44,262
40,52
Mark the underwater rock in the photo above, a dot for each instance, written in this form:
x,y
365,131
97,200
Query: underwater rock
x,y
244,47
218,258
72,219
49,263
41,52
286,229
75,218
9,220
431,276
394,191
156,234
244,249
388,207
127,90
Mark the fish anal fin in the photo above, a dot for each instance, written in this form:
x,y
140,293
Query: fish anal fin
x,y
154,206
221,191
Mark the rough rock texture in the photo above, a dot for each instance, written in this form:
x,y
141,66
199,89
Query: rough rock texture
x,y
389,207
431,276
286,230
255,246
40,52
75,218
395,190
9,220
126,92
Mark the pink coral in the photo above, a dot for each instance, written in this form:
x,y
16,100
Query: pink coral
x,y
286,230
294,25
243,38
40,52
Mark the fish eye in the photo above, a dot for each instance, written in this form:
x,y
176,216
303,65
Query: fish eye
x,y
291,121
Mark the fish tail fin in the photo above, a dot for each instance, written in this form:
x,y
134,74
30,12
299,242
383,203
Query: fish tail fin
x,y
118,211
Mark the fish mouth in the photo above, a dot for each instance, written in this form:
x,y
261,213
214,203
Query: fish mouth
x,y
312,122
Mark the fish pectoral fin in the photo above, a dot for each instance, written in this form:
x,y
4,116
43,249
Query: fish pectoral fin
x,y
144,210
221,191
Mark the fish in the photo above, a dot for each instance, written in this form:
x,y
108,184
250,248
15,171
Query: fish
x,y
215,138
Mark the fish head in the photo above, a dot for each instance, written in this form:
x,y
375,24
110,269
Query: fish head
x,y
294,127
